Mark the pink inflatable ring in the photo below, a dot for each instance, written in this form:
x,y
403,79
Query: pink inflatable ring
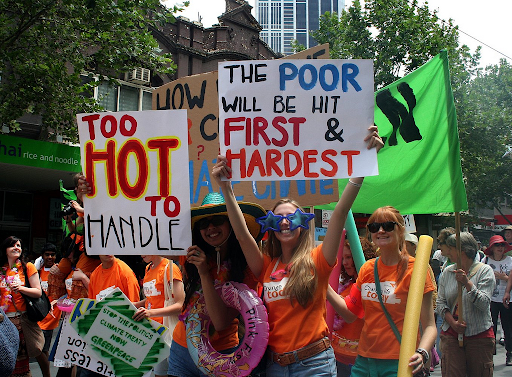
x,y
251,348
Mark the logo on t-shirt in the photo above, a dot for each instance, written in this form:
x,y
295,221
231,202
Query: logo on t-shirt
x,y
100,296
274,290
69,284
150,290
44,285
369,292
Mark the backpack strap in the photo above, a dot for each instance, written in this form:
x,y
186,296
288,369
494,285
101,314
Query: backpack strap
x,y
379,295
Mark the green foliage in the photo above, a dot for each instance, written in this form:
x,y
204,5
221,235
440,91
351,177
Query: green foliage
x,y
485,132
45,45
399,36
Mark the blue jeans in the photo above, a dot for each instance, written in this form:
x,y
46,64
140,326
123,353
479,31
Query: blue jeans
x,y
439,323
322,364
181,364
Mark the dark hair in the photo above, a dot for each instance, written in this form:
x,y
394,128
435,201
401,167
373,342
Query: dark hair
x,y
8,242
235,258
49,247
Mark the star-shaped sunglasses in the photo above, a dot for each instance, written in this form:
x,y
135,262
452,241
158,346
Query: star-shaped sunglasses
x,y
298,219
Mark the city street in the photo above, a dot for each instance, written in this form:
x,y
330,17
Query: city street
x,y
500,369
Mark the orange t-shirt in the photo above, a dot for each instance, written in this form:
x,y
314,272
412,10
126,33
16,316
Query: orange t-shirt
x,y
16,275
153,285
345,340
377,339
292,326
51,321
76,289
220,340
120,275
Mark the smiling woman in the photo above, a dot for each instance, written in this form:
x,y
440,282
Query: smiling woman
x,y
215,257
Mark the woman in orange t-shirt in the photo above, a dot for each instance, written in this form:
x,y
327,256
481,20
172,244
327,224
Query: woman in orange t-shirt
x,y
379,347
154,291
295,274
345,336
215,257
12,286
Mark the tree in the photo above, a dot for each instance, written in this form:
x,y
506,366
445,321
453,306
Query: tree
x,y
485,131
45,46
398,35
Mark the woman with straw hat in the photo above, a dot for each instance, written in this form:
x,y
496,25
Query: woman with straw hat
x,y
215,257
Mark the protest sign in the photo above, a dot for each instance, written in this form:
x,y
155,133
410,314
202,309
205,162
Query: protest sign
x,y
73,349
300,119
139,199
122,345
198,94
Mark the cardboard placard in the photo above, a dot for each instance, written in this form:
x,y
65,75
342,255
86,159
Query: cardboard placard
x,y
296,119
198,94
139,203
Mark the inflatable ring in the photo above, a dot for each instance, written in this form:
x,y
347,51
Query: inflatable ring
x,y
251,348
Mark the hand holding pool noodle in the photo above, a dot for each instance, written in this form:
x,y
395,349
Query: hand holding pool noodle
x,y
413,308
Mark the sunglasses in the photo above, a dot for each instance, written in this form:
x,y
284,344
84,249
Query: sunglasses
x,y
215,221
501,244
388,226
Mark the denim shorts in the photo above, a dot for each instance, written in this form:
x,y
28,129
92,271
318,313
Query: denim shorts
x,y
322,364
368,367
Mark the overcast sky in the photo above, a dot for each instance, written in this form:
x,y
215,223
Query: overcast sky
x,y
480,22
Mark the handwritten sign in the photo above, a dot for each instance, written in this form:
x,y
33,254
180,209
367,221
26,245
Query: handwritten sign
x,y
139,200
73,349
198,94
296,119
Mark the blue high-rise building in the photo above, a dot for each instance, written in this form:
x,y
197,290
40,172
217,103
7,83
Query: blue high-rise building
x,y
286,20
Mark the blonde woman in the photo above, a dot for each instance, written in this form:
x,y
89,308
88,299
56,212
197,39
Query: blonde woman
x,y
294,274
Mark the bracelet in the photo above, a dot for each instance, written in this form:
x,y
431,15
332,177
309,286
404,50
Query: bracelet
x,y
354,184
424,354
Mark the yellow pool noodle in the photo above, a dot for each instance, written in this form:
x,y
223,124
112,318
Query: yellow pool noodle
x,y
413,308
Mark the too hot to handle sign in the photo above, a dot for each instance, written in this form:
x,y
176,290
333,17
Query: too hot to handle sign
x,y
300,119
139,201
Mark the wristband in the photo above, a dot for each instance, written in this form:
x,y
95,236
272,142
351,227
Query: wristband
x,y
354,183
424,354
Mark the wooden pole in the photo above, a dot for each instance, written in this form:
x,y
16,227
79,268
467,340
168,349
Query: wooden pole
x,y
459,285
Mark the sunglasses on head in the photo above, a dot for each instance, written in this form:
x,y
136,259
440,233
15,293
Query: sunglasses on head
x,y
215,221
388,226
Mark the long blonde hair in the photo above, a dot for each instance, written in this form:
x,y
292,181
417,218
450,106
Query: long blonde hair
x,y
302,282
389,213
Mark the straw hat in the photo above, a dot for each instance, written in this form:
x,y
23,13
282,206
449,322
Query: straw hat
x,y
214,204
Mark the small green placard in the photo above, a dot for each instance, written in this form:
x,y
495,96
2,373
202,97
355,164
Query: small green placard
x,y
128,347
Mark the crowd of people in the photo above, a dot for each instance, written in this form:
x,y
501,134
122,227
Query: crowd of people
x,y
291,275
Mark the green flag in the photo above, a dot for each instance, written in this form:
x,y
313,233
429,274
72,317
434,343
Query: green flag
x,y
419,166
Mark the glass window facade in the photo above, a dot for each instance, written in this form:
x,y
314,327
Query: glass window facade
x,y
286,20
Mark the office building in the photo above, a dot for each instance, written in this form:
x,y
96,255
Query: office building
x,y
286,20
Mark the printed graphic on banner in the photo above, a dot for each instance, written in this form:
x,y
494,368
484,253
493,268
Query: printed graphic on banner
x,y
139,199
296,119
127,347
